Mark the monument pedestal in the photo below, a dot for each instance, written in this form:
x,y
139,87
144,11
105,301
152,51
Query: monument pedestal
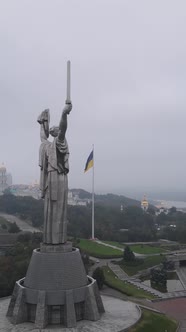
x,y
56,289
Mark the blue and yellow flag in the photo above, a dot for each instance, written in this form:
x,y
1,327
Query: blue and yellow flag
x,y
90,162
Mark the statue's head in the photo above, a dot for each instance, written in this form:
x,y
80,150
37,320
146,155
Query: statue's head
x,y
54,131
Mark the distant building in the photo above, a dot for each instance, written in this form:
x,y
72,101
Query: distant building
x,y
9,179
73,199
5,179
161,209
26,190
33,190
144,204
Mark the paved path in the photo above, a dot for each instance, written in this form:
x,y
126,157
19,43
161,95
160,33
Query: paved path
x,y
22,224
175,308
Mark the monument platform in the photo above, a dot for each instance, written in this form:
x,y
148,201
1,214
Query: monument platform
x,y
119,315
55,290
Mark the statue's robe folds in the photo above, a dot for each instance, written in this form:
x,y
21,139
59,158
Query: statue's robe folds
x,y
53,160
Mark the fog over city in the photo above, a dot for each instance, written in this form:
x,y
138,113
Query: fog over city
x,y
128,62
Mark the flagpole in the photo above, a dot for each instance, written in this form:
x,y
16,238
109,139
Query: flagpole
x,y
93,195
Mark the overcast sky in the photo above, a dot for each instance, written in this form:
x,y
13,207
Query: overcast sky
x,y
128,88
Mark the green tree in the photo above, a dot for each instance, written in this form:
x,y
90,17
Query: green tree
x,y
86,261
4,226
13,228
172,210
128,255
24,237
99,276
159,276
151,210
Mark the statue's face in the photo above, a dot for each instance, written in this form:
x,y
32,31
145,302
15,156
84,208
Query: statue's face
x,y
54,131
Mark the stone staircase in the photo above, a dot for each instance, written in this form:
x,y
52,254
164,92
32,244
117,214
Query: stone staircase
x,y
116,269
124,277
147,289
171,295
181,272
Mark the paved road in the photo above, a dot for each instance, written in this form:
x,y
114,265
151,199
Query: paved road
x,y
24,226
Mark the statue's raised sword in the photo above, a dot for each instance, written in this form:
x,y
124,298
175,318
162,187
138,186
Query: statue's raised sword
x,y
68,100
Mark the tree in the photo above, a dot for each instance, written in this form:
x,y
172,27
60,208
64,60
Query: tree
x,y
86,261
159,276
99,276
24,237
128,255
13,228
168,265
151,210
172,210
4,226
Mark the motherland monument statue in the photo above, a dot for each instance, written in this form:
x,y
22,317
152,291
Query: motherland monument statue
x,y
53,161
56,289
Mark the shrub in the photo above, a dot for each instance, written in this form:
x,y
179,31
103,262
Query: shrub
x,y
128,255
99,276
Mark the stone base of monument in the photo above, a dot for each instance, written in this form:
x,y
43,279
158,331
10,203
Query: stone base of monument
x,y
56,290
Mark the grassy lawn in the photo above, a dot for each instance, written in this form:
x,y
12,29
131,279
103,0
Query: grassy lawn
x,y
139,248
144,264
112,281
145,249
154,322
97,250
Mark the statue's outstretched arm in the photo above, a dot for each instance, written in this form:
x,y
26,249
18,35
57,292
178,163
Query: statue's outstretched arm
x,y
63,122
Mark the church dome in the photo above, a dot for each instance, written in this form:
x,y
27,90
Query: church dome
x,y
144,203
2,168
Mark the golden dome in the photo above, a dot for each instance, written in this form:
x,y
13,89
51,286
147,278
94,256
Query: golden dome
x,y
144,202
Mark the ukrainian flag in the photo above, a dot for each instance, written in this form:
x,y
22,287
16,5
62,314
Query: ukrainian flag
x,y
90,162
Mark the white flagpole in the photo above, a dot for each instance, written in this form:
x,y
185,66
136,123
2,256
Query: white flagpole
x,y
93,195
